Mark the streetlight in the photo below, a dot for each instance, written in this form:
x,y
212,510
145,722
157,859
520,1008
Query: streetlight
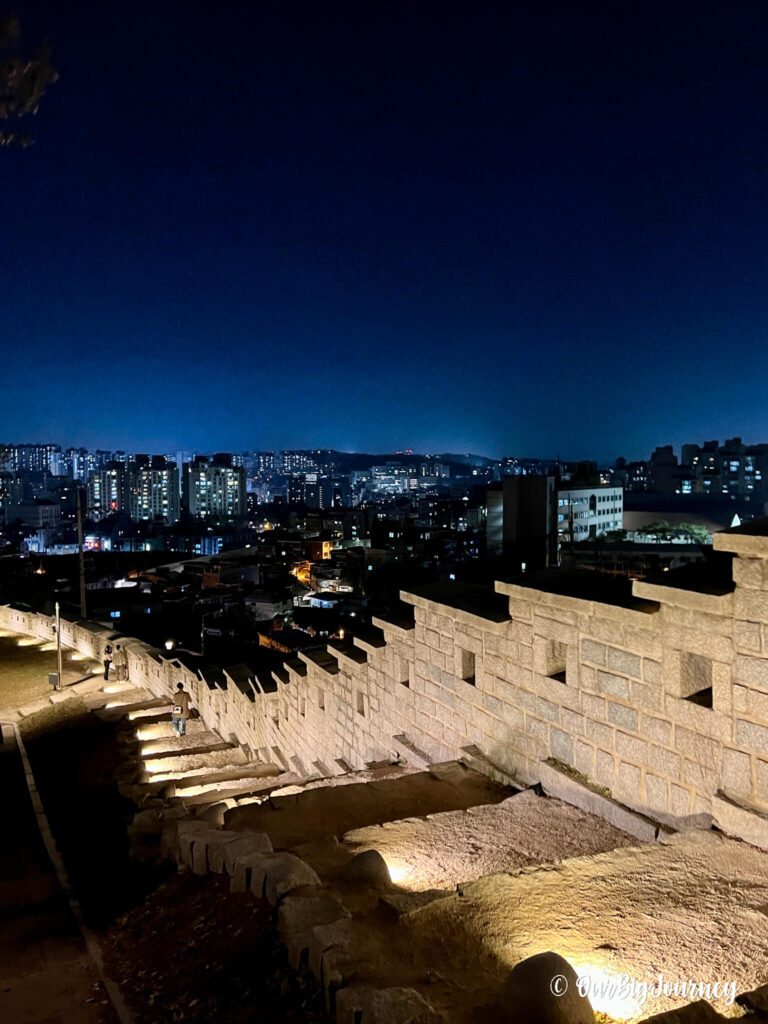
x,y
169,645
57,629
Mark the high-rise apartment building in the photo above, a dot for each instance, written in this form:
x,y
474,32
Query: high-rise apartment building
x,y
154,488
35,458
108,489
215,489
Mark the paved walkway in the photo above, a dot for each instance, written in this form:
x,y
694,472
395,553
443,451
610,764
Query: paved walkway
x,y
46,975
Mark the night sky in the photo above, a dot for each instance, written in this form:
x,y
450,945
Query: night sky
x,y
502,228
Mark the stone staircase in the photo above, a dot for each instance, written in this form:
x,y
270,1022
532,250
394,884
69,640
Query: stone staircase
x,y
467,875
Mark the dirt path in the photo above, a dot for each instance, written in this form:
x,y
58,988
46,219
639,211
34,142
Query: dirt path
x,y
46,975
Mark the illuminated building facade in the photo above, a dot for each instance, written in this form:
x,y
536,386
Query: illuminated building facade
x,y
214,490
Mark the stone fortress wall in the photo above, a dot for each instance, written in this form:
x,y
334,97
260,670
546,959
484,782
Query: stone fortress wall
x,y
604,689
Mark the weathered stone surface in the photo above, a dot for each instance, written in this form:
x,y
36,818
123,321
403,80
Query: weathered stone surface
x,y
694,1013
367,869
362,1005
177,837
543,989
208,850
286,872
298,915
570,790
244,843
324,937
740,822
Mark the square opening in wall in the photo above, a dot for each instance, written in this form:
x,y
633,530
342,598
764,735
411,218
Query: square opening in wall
x,y
361,704
556,654
321,700
468,667
696,679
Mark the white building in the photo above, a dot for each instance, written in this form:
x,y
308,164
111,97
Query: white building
x,y
154,489
584,513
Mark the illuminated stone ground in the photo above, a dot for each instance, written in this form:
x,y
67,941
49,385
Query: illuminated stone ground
x,y
24,666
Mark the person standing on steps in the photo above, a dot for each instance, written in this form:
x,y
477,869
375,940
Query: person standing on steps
x,y
121,663
107,660
180,712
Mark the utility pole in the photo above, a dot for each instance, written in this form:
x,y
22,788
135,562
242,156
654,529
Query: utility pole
x,y
81,554
58,644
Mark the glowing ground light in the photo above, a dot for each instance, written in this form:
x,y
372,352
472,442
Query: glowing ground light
x,y
398,872
28,641
606,993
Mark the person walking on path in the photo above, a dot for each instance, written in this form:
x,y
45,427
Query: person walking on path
x,y
180,712
121,663
107,660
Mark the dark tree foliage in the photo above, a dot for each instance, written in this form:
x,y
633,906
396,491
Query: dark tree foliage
x,y
24,77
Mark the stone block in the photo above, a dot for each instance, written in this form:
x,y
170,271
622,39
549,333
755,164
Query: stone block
x,y
664,761
752,671
737,772
339,934
527,994
631,748
615,686
624,662
620,714
298,915
747,637
601,734
752,736
628,780
697,747
248,872
740,699
546,709
572,722
605,768
493,705
208,849
750,605
657,729
364,1005
587,677
644,696
748,573
535,727
584,758
651,671
656,792
703,778
761,781
284,873
593,651
592,706
562,745
740,822
178,837
680,801
572,791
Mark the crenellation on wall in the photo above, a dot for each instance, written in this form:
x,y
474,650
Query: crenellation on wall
x,y
604,689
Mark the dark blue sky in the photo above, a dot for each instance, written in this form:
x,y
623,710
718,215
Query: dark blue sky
x,y
507,228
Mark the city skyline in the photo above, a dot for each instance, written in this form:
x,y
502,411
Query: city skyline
x,y
482,230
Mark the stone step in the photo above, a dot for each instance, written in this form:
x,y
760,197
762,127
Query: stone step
x,y
157,768
113,706
440,851
162,729
334,808
198,742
